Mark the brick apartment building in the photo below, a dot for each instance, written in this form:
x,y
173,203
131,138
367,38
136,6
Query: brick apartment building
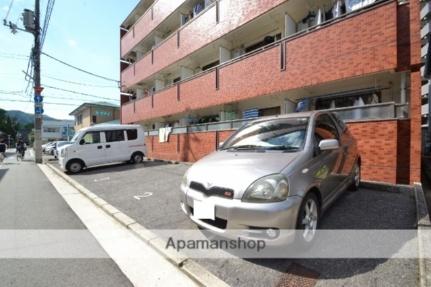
x,y
205,67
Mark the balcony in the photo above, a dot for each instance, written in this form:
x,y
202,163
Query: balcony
x,y
334,51
152,17
217,20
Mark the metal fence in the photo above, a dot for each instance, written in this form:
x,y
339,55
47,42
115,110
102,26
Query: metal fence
x,y
383,111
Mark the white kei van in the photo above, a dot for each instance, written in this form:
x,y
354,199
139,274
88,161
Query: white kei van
x,y
103,144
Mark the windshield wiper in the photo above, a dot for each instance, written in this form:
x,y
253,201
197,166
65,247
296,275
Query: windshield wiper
x,y
284,148
245,147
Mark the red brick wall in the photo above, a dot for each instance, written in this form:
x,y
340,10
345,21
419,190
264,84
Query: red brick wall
x,y
146,24
383,146
199,33
363,44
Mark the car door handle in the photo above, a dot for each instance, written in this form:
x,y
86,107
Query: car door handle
x,y
99,147
108,146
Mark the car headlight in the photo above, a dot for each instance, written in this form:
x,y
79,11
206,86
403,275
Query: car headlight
x,y
270,188
184,181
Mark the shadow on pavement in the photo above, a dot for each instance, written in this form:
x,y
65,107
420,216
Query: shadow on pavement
x,y
120,167
426,180
365,209
3,172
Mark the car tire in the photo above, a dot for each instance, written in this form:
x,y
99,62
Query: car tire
x,y
356,180
137,158
74,166
308,221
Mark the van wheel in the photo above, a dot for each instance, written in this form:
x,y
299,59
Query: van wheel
x,y
74,166
137,157
308,221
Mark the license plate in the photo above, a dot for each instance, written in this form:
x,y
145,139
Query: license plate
x,y
203,210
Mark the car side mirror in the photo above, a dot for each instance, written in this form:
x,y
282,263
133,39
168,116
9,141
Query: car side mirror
x,y
82,141
329,144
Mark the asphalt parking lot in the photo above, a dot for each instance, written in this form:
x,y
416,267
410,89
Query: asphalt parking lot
x,y
149,193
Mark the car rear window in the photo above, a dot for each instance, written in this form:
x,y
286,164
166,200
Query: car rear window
x,y
132,134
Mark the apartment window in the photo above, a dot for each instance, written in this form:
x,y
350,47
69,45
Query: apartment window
x,y
91,138
79,119
132,135
94,119
114,136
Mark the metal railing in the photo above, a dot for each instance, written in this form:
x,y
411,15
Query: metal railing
x,y
383,111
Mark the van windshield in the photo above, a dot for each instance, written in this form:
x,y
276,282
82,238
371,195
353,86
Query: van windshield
x,y
75,138
286,135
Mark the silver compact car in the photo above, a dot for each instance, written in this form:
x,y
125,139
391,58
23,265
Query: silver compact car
x,y
275,173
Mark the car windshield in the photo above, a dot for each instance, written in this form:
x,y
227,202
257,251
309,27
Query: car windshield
x,y
286,135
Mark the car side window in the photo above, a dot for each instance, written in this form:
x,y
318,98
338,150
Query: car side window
x,y
114,136
91,138
132,135
326,128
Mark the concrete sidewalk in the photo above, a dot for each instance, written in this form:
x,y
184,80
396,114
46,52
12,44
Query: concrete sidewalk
x,y
29,202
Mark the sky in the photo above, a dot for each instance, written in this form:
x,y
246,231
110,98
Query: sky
x,y
84,33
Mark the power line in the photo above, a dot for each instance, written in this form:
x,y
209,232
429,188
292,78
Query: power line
x,y
79,83
47,103
76,92
49,8
8,11
80,93
79,69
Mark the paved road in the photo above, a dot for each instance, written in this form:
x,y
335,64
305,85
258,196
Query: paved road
x,y
366,209
29,202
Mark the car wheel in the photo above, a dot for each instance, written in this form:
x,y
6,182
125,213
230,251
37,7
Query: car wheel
x,y
74,166
137,157
308,220
356,181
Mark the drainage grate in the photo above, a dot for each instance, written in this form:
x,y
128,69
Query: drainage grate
x,y
298,276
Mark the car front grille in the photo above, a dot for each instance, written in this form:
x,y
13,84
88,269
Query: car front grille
x,y
213,191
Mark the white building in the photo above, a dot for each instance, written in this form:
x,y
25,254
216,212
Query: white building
x,y
57,130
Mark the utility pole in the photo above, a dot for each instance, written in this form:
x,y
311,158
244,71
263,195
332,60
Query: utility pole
x,y
38,99
32,25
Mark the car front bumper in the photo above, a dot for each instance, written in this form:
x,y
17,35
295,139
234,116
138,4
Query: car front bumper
x,y
255,220
62,163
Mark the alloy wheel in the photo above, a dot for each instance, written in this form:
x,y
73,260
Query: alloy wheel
x,y
309,220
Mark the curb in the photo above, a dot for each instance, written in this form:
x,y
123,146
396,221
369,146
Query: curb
x,y
424,238
168,161
188,266
386,186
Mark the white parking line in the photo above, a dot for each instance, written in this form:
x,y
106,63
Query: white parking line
x,y
138,261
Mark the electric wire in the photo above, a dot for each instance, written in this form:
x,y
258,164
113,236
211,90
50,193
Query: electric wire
x,y
79,69
9,9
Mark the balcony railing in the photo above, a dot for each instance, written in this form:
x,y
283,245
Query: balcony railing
x,y
207,27
383,111
155,15
308,59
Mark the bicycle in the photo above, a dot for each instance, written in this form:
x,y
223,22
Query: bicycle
x,y
20,155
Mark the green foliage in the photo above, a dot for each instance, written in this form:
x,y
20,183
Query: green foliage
x,y
10,126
